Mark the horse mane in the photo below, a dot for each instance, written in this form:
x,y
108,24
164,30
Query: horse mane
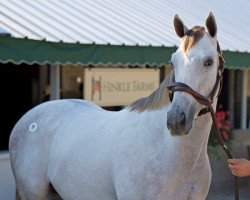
x,y
192,36
155,100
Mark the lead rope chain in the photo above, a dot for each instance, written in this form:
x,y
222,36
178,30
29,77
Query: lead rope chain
x,y
177,86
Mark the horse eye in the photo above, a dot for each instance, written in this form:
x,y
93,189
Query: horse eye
x,y
209,62
171,64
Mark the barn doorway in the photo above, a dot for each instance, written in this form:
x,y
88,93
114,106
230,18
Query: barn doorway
x,y
19,93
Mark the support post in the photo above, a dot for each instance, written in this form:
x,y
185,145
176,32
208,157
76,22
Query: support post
x,y
231,95
244,100
54,82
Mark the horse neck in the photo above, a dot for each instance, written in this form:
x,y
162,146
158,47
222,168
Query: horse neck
x,y
187,148
194,145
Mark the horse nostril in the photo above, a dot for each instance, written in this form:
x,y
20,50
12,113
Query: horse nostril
x,y
169,125
182,119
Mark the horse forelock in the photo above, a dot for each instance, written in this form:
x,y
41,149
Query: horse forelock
x,y
156,99
192,36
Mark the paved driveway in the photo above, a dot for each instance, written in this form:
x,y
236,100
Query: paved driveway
x,y
7,183
227,193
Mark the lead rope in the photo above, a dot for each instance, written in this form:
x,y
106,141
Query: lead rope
x,y
177,86
225,148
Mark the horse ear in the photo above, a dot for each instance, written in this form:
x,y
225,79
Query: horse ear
x,y
179,27
211,24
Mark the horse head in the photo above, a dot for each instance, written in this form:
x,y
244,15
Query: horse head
x,y
196,64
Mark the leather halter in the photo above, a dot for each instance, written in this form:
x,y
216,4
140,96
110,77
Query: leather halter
x,y
207,102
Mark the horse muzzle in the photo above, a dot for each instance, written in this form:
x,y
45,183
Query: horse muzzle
x,y
180,118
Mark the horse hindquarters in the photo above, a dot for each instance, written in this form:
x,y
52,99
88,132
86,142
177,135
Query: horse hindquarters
x,y
27,157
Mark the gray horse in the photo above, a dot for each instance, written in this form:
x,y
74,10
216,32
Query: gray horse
x,y
151,150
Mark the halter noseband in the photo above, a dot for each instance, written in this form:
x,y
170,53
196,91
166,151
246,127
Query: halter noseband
x,y
207,102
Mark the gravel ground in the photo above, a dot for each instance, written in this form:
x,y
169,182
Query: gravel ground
x,y
244,192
